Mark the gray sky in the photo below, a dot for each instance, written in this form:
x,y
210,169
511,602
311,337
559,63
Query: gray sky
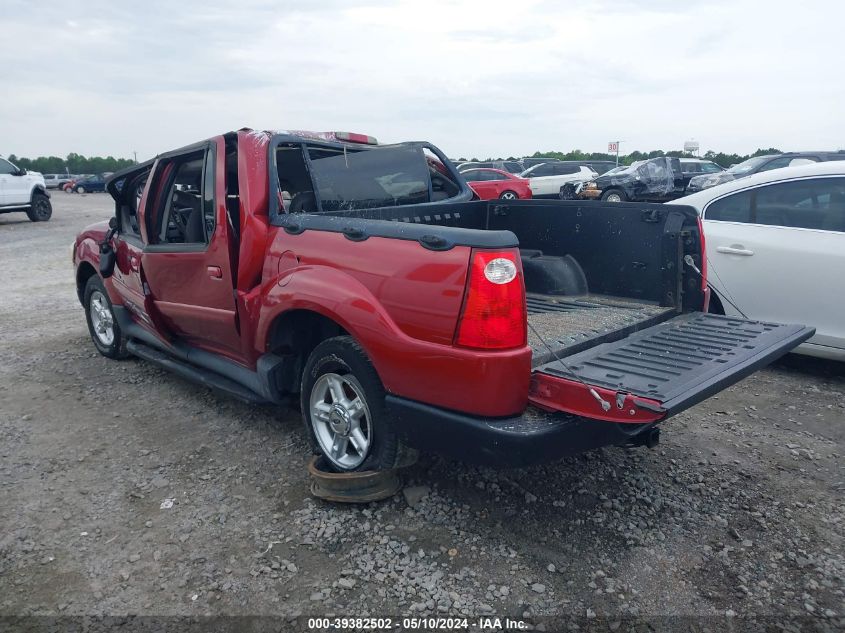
x,y
476,78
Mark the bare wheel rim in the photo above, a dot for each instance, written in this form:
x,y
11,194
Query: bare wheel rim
x,y
42,208
508,195
341,420
102,321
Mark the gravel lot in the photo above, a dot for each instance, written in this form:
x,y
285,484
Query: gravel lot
x,y
739,511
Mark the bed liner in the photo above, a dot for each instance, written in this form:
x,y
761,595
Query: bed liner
x,y
571,324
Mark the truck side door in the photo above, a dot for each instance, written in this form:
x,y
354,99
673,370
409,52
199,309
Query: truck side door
x,y
186,262
14,187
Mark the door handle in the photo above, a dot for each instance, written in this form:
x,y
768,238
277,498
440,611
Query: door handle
x,y
734,250
215,272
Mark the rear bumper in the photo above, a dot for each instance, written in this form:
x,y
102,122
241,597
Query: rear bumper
x,y
533,437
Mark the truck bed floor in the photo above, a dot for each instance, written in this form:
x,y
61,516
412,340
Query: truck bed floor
x,y
572,324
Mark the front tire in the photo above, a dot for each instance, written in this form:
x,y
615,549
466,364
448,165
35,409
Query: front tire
x,y
79,189
102,324
614,195
40,210
508,195
343,407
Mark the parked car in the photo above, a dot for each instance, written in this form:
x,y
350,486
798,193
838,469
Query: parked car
x,y
491,184
55,181
395,309
510,166
759,164
24,191
546,179
776,249
653,180
90,184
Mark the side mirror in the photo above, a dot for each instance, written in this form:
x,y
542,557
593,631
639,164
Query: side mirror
x,y
21,172
113,223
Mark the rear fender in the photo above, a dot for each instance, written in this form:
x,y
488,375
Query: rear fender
x,y
335,295
493,383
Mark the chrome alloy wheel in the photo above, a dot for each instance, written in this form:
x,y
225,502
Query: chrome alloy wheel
x,y
508,195
101,318
614,197
341,420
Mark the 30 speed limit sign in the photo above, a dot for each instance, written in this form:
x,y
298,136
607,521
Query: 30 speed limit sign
x,y
613,147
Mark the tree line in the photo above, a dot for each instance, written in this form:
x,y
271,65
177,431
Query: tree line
x,y
720,158
72,164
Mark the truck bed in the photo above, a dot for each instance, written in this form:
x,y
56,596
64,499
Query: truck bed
x,y
567,325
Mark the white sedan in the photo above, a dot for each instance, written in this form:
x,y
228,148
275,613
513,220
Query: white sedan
x,y
546,179
776,249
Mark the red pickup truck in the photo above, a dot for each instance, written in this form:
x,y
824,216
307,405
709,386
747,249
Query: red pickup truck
x,y
365,282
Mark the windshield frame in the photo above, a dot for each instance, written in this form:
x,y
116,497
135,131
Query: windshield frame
x,y
276,207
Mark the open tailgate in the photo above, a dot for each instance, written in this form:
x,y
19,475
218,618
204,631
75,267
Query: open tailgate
x,y
662,370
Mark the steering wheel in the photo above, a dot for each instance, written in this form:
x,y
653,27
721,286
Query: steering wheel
x,y
303,202
178,217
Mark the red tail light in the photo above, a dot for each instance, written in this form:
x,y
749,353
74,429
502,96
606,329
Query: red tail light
x,y
493,315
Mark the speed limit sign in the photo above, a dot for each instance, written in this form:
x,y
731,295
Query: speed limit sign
x,y
612,147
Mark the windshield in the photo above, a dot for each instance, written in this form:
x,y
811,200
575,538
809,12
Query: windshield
x,y
347,179
749,165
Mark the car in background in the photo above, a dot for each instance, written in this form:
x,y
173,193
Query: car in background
x,y
546,179
758,164
510,166
652,180
598,166
490,184
55,181
90,184
23,191
776,249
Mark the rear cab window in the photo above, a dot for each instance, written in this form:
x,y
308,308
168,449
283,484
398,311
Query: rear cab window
x,y
320,178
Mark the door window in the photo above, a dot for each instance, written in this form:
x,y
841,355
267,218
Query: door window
x,y
6,167
130,202
817,203
735,208
182,215
565,170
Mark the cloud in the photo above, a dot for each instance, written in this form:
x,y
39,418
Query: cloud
x,y
477,78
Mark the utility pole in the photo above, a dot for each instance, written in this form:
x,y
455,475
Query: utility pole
x,y
136,156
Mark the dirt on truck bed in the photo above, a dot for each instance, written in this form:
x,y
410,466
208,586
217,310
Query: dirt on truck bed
x,y
126,490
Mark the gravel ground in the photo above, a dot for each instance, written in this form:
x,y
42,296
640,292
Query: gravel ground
x,y
739,511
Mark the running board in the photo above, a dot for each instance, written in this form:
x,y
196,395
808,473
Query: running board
x,y
195,374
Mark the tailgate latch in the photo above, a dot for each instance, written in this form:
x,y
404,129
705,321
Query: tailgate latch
x,y
605,405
